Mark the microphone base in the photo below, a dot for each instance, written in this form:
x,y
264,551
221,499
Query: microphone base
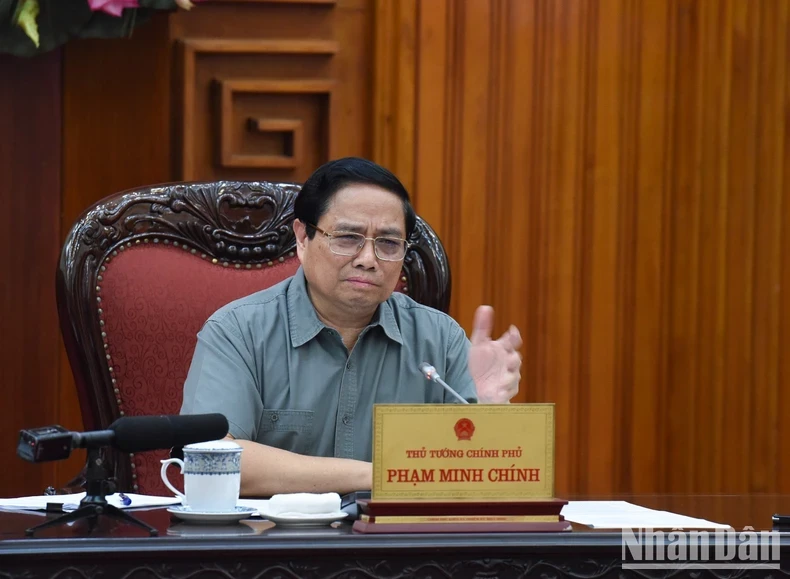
x,y
91,512
94,504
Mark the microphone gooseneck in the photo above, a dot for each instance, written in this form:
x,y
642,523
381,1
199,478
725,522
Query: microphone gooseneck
x,y
431,374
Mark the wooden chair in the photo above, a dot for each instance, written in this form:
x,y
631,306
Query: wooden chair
x,y
142,270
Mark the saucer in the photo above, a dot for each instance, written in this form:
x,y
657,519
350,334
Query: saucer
x,y
187,514
313,520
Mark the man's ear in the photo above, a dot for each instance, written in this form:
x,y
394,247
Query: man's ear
x,y
300,231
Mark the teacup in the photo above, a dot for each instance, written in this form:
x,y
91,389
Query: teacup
x,y
212,476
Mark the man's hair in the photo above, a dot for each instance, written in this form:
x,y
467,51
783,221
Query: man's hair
x,y
313,200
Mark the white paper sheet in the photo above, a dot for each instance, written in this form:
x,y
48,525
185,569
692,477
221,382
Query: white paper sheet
x,y
622,514
71,502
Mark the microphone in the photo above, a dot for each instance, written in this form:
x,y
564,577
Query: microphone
x,y
127,434
431,374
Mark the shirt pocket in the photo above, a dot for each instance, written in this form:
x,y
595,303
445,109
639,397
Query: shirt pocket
x,y
287,429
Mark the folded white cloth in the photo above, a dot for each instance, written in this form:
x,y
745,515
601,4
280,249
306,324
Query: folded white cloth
x,y
304,504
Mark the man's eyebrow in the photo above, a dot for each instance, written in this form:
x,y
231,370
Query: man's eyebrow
x,y
391,232
346,226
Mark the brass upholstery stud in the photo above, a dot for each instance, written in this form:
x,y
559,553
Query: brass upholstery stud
x,y
98,288
259,265
282,259
214,260
98,300
175,244
224,264
270,264
403,278
248,266
100,278
121,413
103,268
238,266
156,240
290,254
145,241
167,242
193,251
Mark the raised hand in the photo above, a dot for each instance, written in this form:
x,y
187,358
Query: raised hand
x,y
495,365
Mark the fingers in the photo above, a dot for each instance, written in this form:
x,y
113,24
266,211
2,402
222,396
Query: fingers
x,y
512,387
508,391
483,324
515,337
502,391
513,362
511,339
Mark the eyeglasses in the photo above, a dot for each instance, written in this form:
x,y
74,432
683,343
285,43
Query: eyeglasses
x,y
349,243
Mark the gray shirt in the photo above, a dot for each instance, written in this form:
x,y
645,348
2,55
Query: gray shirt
x,y
284,379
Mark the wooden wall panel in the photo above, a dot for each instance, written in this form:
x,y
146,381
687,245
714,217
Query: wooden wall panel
x,y
274,91
611,175
30,178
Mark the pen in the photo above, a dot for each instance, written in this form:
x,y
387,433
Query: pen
x,y
124,499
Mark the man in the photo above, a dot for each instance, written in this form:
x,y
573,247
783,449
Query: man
x,y
297,368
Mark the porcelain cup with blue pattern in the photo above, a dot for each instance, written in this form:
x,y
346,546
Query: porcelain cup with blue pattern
x,y
212,476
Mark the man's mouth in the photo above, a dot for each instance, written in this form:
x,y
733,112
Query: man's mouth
x,y
360,281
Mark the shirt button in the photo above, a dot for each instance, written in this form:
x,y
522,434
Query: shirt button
x,y
346,419
348,365
275,417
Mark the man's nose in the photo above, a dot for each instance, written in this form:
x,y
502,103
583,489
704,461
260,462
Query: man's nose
x,y
367,255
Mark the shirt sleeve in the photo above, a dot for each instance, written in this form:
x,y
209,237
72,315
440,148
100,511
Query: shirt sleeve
x,y
222,378
457,367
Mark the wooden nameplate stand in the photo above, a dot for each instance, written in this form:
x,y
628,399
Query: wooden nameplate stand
x,y
525,516
455,468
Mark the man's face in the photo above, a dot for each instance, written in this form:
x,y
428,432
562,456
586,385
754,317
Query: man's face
x,y
352,284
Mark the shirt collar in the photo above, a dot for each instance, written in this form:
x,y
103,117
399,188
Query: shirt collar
x,y
304,322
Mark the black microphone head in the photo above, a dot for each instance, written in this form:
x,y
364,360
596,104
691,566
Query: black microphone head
x,y
142,433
